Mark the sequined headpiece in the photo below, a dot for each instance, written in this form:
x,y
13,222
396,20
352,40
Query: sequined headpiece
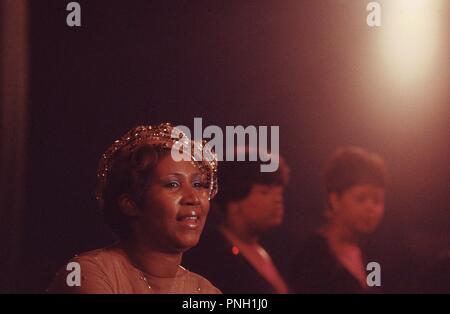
x,y
159,135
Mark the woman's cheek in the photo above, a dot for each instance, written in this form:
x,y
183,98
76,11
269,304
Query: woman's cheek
x,y
206,205
381,212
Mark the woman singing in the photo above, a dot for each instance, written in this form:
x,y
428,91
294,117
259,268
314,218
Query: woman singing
x,y
157,207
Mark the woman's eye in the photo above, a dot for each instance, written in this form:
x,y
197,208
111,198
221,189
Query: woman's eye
x,y
172,185
378,200
198,184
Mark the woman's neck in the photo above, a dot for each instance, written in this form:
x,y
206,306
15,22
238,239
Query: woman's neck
x,y
339,235
344,244
241,230
151,261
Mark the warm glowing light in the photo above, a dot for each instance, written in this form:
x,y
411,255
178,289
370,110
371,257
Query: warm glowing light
x,y
410,38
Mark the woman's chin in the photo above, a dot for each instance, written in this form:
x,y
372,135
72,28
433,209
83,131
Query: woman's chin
x,y
187,242
367,228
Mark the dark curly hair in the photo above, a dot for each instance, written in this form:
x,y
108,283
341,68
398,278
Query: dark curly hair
x,y
130,173
238,177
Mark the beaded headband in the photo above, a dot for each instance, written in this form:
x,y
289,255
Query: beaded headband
x,y
159,135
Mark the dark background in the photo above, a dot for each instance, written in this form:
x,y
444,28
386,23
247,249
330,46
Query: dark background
x,y
306,66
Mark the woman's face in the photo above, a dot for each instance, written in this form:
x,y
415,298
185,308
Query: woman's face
x,y
360,208
175,206
263,207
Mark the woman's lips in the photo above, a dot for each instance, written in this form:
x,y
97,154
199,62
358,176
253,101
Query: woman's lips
x,y
189,220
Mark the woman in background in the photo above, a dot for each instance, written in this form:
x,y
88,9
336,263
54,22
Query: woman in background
x,y
252,203
332,259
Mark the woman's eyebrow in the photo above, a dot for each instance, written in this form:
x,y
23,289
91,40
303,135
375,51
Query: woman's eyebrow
x,y
184,175
175,174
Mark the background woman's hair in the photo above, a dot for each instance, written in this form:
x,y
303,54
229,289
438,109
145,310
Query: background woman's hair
x,y
349,166
130,173
237,177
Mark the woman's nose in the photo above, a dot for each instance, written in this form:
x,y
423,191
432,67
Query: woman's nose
x,y
372,207
190,196
279,196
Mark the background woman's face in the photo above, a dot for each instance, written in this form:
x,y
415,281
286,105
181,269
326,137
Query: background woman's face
x,y
175,206
264,206
360,208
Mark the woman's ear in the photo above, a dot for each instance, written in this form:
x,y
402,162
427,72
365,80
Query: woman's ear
x,y
333,200
128,206
233,208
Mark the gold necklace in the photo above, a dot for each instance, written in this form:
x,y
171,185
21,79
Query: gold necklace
x,y
143,277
